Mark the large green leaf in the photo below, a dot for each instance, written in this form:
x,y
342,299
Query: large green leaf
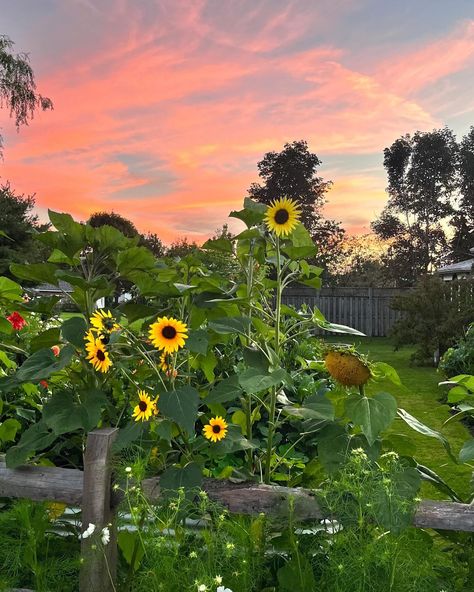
x,y
467,451
299,245
421,428
42,364
373,414
181,406
314,407
47,338
131,545
8,430
197,341
296,575
335,328
225,391
36,438
188,477
219,244
252,214
40,273
333,445
10,290
134,312
253,381
65,412
5,326
74,331
230,325
134,259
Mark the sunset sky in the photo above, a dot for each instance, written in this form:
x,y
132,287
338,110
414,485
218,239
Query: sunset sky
x,y
162,108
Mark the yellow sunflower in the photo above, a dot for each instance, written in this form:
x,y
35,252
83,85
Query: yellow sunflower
x,y
145,408
102,320
168,334
347,368
216,429
282,216
97,353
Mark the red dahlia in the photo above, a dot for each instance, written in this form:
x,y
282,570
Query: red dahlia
x,y
17,321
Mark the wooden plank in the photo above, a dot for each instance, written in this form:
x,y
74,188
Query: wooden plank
x,y
99,564
42,483
252,499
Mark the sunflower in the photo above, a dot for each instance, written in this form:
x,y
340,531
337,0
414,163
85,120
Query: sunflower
x,y
216,429
282,216
103,321
145,408
168,334
96,353
347,368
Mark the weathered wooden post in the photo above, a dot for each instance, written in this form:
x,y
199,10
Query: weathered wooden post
x,y
99,562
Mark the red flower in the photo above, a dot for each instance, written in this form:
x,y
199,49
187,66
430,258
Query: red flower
x,y
17,321
44,384
56,349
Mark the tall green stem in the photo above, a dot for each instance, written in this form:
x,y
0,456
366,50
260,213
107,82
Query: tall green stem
x,y
273,394
248,398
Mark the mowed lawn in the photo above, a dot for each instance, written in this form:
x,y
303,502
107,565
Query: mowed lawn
x,y
419,396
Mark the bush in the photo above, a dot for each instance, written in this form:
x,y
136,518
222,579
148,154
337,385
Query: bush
x,y
459,359
435,315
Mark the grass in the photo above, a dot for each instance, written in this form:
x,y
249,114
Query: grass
x,y
420,396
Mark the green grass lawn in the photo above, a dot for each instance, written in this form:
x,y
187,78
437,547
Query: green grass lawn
x,y
420,397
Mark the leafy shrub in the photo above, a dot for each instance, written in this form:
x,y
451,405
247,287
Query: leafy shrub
x,y
459,359
434,315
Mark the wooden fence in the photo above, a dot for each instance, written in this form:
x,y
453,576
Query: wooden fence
x,y
366,309
91,489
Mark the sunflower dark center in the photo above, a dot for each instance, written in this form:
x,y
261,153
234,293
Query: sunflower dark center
x,y
216,429
168,332
105,339
108,324
100,355
282,216
143,406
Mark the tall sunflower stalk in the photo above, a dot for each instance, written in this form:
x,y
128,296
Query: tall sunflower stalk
x,y
281,219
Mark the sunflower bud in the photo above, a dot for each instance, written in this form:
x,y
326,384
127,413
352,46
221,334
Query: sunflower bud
x,y
347,368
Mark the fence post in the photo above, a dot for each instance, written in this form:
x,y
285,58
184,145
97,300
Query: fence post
x,y
99,563
370,313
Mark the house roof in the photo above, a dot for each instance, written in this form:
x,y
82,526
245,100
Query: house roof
x,y
460,267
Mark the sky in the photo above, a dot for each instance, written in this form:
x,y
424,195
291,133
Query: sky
x,y
163,108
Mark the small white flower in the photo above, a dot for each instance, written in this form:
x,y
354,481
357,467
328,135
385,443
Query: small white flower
x,y
230,546
193,555
218,579
202,588
105,536
128,469
88,531
222,589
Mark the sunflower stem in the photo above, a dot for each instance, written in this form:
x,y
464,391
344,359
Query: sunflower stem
x,y
273,394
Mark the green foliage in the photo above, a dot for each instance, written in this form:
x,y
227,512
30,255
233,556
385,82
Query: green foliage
x,y
434,316
459,359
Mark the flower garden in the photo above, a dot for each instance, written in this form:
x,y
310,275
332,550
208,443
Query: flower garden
x,y
210,378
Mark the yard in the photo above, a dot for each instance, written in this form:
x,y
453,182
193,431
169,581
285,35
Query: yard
x,y
420,396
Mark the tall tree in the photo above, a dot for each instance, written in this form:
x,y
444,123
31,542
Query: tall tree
x,y
293,173
18,226
17,85
422,179
462,242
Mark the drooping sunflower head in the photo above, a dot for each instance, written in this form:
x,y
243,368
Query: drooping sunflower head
x,y
103,321
216,429
282,216
347,367
168,334
97,354
145,408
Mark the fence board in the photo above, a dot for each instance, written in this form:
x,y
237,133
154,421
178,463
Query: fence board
x,y
366,309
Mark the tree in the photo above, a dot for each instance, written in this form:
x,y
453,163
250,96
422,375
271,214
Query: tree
x,y
18,86
361,263
18,227
422,178
292,173
126,227
463,220
153,242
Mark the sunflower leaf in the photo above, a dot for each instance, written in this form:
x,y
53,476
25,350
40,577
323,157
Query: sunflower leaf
x,y
181,406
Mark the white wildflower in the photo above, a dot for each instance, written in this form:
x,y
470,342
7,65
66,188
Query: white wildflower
x,y
202,588
218,580
193,555
222,589
88,531
105,536
128,469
